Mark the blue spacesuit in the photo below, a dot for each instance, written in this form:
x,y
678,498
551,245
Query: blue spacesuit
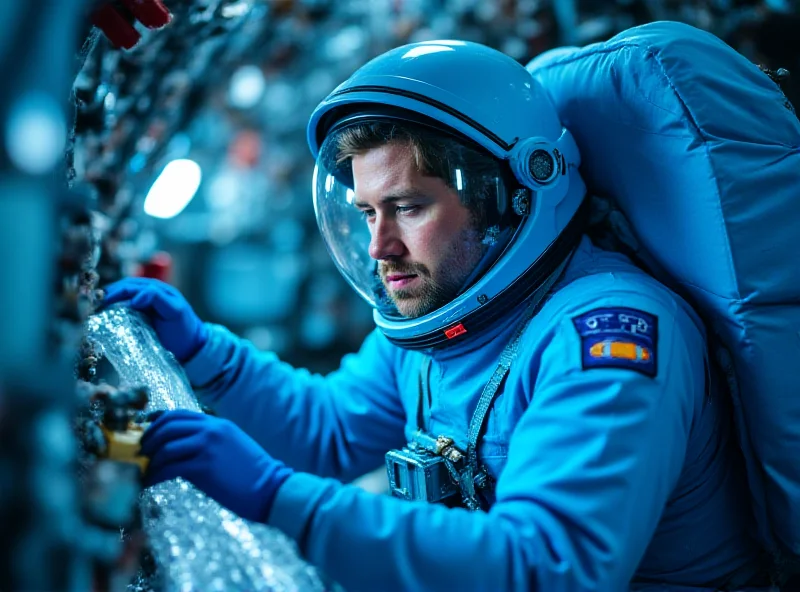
x,y
573,398
603,474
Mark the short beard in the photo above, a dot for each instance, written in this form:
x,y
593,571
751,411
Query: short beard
x,y
462,257
428,297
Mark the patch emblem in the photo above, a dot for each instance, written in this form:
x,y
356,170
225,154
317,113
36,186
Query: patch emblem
x,y
618,338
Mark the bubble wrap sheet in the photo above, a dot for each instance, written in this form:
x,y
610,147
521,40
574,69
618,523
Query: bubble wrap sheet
x,y
197,544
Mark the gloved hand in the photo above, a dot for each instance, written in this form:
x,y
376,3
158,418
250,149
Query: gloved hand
x,y
178,328
116,21
216,457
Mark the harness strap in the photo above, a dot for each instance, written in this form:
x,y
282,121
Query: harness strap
x,y
470,474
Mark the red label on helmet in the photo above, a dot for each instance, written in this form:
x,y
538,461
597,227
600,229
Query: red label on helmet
x,y
455,331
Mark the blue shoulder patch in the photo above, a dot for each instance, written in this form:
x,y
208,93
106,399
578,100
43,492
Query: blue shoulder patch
x,y
618,338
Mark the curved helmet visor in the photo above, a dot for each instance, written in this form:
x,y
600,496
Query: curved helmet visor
x,y
477,178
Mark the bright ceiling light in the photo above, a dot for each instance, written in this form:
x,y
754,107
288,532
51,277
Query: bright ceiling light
x,y
174,189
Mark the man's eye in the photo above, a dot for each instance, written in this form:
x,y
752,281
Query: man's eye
x,y
407,209
367,213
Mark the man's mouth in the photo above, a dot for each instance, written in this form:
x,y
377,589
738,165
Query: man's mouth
x,y
399,280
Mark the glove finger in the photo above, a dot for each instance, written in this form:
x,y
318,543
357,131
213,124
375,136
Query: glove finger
x,y
174,460
114,294
158,286
165,429
148,303
129,282
119,31
158,303
158,417
154,415
164,415
168,304
151,13
164,420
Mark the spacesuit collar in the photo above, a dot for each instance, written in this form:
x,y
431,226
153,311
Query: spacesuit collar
x,y
500,330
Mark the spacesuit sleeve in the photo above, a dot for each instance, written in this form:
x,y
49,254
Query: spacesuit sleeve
x,y
339,425
590,467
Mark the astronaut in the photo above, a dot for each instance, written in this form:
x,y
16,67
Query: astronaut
x,y
544,408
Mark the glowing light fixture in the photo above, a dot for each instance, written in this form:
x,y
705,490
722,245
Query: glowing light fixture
x,y
174,189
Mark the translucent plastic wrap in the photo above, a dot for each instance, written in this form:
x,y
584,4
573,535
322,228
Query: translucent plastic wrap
x,y
197,544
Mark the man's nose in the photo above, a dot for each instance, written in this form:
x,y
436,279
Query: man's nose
x,y
385,240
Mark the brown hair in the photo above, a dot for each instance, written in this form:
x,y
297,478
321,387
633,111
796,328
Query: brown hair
x,y
426,151
435,153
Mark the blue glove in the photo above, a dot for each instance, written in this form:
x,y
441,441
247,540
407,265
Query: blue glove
x,y
177,326
216,457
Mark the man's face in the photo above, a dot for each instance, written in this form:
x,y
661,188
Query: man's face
x,y
421,234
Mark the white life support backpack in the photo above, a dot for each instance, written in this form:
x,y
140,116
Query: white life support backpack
x,y
700,150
